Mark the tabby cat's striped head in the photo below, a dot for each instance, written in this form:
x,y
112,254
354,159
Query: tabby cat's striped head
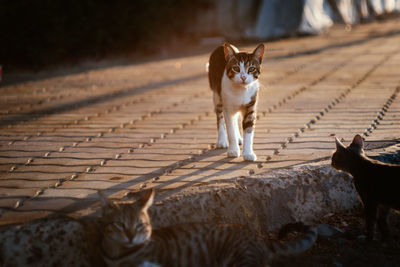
x,y
243,68
126,224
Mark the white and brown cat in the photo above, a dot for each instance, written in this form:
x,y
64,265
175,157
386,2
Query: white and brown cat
x,y
233,77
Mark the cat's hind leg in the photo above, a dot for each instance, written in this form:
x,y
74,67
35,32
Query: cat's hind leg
x,y
383,213
222,141
370,218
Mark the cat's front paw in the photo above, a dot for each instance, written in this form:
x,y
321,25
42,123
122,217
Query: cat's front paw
x,y
249,156
222,144
234,153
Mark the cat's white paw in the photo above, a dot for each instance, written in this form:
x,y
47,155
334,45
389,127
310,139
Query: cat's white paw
x,y
234,153
249,156
222,144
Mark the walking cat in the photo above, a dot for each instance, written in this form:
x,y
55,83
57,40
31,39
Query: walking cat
x,y
129,240
377,183
233,77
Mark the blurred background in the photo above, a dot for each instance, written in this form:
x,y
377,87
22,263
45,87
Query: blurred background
x,y
40,33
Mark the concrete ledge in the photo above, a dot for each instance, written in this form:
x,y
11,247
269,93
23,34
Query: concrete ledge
x,y
265,201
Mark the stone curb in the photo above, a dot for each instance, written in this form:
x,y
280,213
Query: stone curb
x,y
265,201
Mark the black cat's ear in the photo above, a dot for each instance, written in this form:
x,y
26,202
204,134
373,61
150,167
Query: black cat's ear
x,y
259,52
147,199
339,144
357,141
228,51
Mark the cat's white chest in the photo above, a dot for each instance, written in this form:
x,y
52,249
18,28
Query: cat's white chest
x,y
234,96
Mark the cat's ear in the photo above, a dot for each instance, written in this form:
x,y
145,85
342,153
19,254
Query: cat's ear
x,y
357,141
234,48
147,199
105,202
259,52
339,144
228,51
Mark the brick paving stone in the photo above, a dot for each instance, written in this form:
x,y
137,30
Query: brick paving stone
x,y
120,177
33,175
8,203
101,185
128,170
17,192
43,204
23,183
75,193
137,163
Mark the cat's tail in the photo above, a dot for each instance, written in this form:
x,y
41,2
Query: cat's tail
x,y
298,245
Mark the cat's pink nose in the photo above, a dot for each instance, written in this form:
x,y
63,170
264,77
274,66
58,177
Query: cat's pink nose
x,y
243,78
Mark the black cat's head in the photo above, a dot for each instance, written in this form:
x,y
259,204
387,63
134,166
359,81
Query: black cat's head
x,y
243,68
343,158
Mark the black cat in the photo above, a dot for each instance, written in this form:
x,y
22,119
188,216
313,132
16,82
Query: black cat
x,y
377,183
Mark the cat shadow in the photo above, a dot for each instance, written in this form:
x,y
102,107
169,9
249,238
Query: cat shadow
x,y
161,187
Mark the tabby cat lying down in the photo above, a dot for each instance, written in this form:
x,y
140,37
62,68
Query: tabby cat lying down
x,y
123,236
129,240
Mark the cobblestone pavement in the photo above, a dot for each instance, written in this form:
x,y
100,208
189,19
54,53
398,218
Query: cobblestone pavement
x,y
133,127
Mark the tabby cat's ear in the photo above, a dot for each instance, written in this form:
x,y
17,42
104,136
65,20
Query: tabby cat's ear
x,y
259,52
228,51
105,202
339,144
147,199
357,141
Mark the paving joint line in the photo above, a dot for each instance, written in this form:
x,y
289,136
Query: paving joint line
x,y
380,116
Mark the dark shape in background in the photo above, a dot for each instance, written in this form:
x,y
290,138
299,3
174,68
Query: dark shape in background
x,y
38,33
41,33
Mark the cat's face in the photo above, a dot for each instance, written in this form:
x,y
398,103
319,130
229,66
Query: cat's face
x,y
243,68
343,158
126,224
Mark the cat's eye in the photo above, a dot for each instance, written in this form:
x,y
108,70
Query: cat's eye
x,y
236,69
252,69
119,226
139,228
